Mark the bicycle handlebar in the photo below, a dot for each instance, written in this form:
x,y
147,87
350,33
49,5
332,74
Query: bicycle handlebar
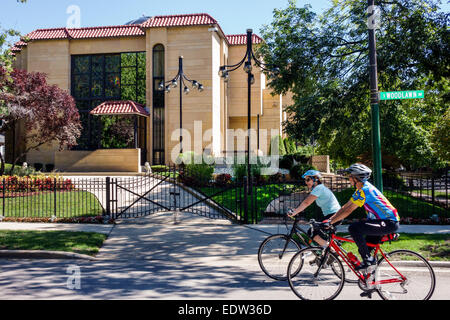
x,y
321,225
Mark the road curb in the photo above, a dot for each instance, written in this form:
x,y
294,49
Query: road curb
x,y
42,254
440,264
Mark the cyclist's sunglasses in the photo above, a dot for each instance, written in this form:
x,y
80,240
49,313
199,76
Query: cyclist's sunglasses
x,y
308,179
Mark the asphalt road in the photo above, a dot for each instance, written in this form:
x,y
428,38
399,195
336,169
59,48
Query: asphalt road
x,y
153,258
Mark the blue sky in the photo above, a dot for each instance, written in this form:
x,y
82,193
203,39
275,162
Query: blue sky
x,y
234,16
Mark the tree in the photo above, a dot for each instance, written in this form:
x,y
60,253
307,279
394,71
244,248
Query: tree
x,y
5,57
441,137
48,113
323,60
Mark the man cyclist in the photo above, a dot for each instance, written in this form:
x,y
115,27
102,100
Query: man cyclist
x,y
382,217
323,197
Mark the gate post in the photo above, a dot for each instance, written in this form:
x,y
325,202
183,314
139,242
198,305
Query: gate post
x,y
108,197
432,192
4,196
245,201
54,197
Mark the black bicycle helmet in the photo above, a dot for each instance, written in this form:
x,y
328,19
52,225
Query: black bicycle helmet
x,y
359,171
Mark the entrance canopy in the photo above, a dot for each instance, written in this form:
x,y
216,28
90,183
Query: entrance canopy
x,y
117,108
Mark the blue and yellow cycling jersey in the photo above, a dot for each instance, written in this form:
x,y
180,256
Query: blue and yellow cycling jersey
x,y
375,203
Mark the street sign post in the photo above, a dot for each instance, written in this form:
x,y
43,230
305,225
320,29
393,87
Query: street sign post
x,y
401,95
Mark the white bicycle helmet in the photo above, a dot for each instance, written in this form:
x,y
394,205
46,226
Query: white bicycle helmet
x,y
359,171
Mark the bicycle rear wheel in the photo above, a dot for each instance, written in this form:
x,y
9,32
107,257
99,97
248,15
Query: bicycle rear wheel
x,y
274,255
405,275
308,285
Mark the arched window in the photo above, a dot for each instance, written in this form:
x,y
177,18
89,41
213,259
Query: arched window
x,y
158,105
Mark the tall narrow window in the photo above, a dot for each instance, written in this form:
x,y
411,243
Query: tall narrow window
x,y
158,105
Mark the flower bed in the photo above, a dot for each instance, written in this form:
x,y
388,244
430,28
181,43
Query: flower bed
x,y
9,185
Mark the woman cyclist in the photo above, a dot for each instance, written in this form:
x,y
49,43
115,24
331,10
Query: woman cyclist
x,y
382,217
324,198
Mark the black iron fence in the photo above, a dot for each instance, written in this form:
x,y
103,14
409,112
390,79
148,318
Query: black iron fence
x,y
418,198
51,198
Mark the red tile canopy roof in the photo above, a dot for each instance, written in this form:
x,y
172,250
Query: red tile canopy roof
x,y
126,107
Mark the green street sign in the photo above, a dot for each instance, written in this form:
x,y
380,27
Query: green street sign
x,y
398,95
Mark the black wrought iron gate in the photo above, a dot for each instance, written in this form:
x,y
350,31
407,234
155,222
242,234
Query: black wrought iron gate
x,y
132,197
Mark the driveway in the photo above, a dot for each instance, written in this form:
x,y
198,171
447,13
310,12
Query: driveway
x,y
126,192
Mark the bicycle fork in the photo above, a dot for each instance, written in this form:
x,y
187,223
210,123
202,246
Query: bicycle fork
x,y
322,262
289,237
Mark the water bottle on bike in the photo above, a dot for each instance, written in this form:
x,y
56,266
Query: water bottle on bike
x,y
353,259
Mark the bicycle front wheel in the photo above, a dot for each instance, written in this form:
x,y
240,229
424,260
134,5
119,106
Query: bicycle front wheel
x,y
274,255
405,275
315,280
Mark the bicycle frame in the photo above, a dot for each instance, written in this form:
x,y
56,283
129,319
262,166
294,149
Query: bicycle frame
x,y
297,231
360,275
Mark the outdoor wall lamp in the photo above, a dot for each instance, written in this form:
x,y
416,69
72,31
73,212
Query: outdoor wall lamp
x,y
184,80
247,61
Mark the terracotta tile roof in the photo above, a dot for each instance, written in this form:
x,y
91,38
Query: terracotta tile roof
x,y
105,32
48,34
130,30
16,49
20,44
241,39
179,20
126,107
85,33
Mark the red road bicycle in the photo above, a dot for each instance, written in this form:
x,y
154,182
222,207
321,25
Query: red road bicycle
x,y
317,273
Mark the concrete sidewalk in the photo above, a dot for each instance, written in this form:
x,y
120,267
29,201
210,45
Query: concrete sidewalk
x,y
168,217
24,226
426,229
164,256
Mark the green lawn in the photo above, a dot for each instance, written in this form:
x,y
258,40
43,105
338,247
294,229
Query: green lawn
x,y
431,246
231,199
79,242
406,205
68,204
437,194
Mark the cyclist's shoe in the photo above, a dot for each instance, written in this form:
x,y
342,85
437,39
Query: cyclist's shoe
x,y
367,264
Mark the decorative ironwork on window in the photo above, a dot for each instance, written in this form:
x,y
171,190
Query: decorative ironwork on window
x,y
158,104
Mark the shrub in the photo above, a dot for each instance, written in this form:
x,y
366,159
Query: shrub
x,y
298,170
38,166
290,146
301,158
195,174
394,180
275,178
240,171
307,150
159,168
223,179
286,162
